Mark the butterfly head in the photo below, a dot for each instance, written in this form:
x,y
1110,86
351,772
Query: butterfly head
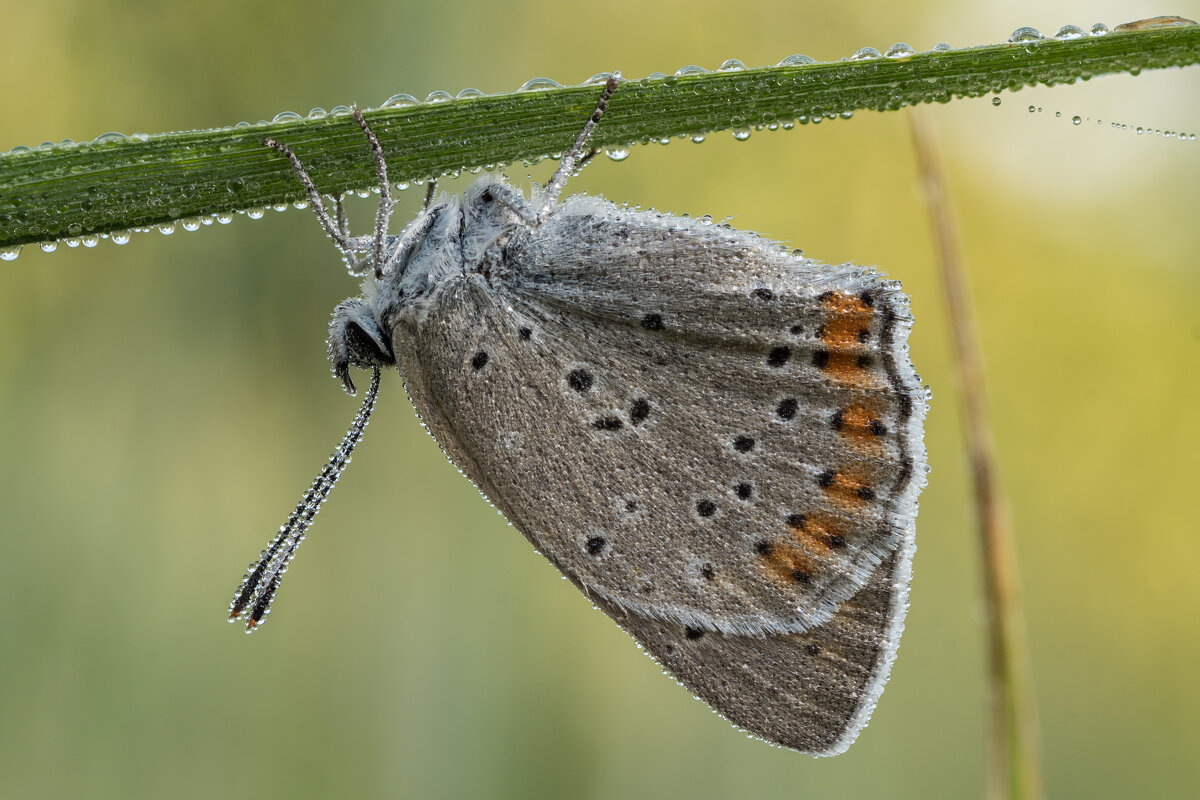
x,y
357,339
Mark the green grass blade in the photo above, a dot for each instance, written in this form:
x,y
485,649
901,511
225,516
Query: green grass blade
x,y
116,184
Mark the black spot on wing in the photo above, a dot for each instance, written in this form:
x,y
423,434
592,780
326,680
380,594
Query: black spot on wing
x,y
580,380
652,322
779,356
639,410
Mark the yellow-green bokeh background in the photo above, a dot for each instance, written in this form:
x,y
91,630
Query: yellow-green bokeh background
x,y
162,405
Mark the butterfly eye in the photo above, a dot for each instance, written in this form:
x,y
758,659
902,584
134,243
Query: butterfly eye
x,y
364,349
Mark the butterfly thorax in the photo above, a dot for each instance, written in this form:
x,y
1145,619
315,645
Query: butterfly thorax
x,y
454,240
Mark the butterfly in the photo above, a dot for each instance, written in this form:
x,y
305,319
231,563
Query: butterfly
x,y
716,440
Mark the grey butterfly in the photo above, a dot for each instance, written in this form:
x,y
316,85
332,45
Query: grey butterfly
x,y
717,441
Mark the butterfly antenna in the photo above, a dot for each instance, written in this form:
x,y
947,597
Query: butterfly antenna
x,y
568,164
252,602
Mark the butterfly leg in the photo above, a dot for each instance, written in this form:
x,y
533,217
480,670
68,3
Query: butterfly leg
x,y
383,215
571,159
586,159
332,229
339,214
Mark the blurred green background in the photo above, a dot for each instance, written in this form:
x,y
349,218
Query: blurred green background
x,y
163,404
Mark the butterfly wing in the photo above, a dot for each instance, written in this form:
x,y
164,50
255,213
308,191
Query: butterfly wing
x,y
693,425
811,691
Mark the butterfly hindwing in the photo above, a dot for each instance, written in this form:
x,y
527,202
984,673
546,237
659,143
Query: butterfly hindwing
x,y
811,691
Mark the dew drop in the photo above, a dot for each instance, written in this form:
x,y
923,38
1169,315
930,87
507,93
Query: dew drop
x,y
865,54
255,213
731,65
466,93
437,96
691,69
600,77
741,134
1070,32
48,247
900,50
698,138
1025,34
796,61
399,101
317,113
166,228
539,84
942,47
190,224
1075,120
617,153
119,237
1153,23
10,253
112,137
1100,29
995,101
286,116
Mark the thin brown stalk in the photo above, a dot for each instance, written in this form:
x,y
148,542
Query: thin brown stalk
x,y
1014,769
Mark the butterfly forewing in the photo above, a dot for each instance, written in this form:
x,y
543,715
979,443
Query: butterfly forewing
x,y
754,414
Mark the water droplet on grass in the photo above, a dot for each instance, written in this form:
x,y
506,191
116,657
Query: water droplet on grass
x,y
1026,34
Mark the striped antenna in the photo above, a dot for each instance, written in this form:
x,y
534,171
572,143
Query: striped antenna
x,y
252,603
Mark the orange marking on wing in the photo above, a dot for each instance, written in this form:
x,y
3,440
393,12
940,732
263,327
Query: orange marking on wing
x,y
859,423
847,367
848,488
788,562
848,315
848,321
816,533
